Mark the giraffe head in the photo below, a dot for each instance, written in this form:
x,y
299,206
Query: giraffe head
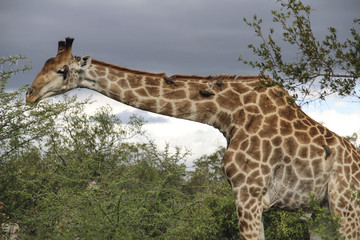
x,y
59,74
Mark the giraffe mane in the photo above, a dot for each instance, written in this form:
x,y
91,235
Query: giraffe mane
x,y
212,77
176,76
120,68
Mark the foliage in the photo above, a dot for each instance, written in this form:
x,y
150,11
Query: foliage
x,y
21,124
215,212
280,224
322,222
10,66
354,139
320,68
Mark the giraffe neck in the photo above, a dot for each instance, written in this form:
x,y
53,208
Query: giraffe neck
x,y
153,92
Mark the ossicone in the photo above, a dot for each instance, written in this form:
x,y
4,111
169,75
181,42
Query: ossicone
x,y
65,48
68,42
61,47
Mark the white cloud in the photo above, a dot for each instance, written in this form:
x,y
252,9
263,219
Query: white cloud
x,y
343,124
340,115
199,138
341,104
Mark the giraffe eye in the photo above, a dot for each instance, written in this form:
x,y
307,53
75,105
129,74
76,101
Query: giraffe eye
x,y
64,71
30,92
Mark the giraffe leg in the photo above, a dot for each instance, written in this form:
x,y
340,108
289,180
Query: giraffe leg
x,y
344,205
250,195
262,231
250,222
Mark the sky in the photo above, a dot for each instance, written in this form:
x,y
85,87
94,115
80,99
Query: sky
x,y
202,37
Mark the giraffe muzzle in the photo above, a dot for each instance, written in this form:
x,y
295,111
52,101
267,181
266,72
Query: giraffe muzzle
x,y
30,96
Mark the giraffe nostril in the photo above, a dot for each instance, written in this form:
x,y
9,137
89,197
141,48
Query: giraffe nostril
x,y
30,92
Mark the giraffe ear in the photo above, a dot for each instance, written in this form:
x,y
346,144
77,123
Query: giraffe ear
x,y
85,61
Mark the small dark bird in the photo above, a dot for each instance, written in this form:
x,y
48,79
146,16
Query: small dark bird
x,y
219,83
170,81
205,93
327,150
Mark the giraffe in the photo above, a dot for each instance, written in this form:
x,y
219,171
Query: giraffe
x,y
276,154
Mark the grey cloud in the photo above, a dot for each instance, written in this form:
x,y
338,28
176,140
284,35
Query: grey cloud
x,y
180,36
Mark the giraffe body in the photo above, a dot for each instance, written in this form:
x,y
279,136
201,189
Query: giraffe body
x,y
276,154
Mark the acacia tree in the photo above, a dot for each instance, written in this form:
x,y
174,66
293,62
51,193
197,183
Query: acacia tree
x,y
321,68
21,124
11,112
354,138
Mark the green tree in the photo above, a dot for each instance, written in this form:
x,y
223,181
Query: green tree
x,y
321,68
214,212
20,124
12,115
207,172
82,177
353,139
281,224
